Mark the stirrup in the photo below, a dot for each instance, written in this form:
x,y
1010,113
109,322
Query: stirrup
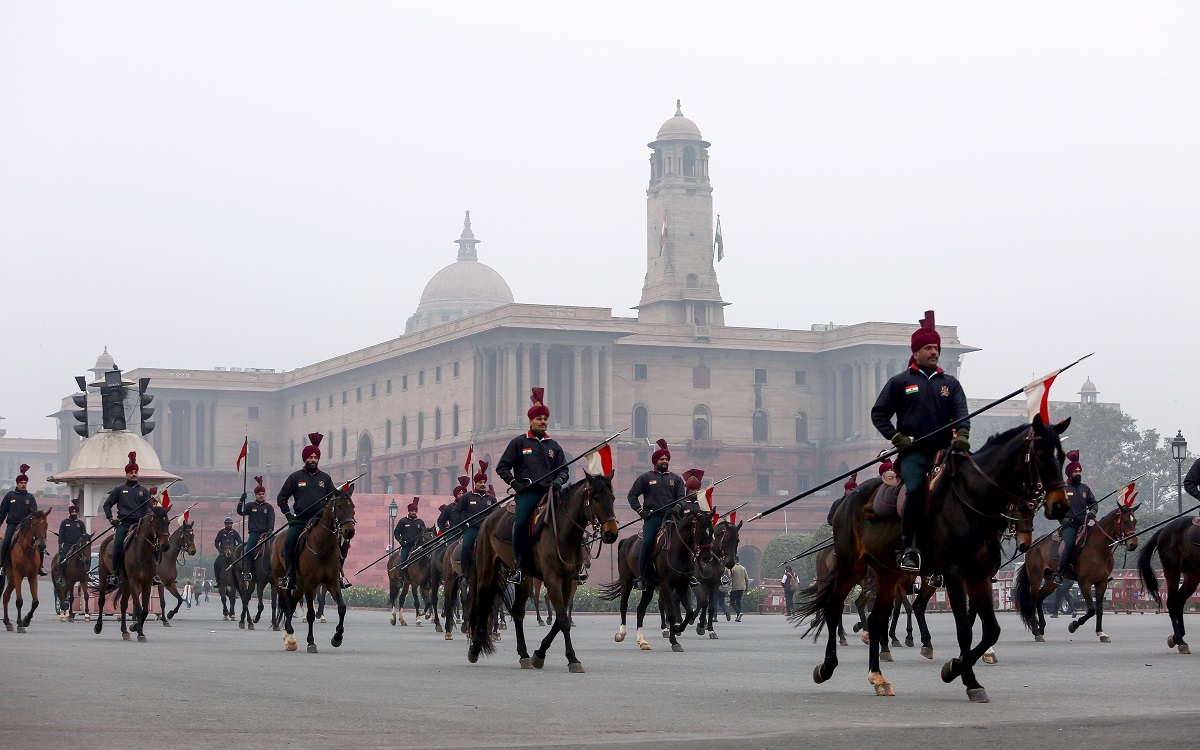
x,y
910,560
42,572
1057,579
515,576
285,582
344,583
582,577
156,581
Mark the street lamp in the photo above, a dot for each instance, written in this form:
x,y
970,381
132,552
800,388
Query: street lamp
x,y
1179,452
393,509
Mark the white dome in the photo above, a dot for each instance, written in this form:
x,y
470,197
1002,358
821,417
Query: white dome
x,y
678,128
461,289
104,361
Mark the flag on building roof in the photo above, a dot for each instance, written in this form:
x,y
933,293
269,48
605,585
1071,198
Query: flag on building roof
x,y
718,242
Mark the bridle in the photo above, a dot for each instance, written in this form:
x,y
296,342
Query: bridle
x,y
1019,508
337,524
591,518
1119,524
726,531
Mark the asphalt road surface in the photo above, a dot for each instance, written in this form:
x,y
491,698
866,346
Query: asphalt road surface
x,y
203,683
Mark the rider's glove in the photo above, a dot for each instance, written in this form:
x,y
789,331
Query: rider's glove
x,y
902,442
962,440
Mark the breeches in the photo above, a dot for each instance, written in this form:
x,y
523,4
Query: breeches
x,y
650,528
468,549
526,503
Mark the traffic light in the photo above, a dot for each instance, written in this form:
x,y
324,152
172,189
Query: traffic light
x,y
112,401
81,400
144,400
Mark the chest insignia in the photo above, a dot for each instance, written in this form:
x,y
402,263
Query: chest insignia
x,y
945,391
911,390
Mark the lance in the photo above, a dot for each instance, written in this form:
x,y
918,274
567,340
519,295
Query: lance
x,y
1155,526
274,533
894,451
590,540
452,534
1072,518
119,522
245,477
814,548
733,510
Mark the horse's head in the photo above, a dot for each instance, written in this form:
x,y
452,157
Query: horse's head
x,y
1126,525
39,527
158,526
229,546
187,537
599,502
725,541
1047,454
340,512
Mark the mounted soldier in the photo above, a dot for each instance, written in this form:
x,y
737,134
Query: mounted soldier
x,y
16,506
310,488
408,531
227,534
260,514
1083,509
132,503
692,479
658,488
847,488
529,458
925,400
468,505
70,531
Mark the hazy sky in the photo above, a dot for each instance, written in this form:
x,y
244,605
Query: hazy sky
x,y
271,184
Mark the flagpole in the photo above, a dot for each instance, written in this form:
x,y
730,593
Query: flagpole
x,y
245,473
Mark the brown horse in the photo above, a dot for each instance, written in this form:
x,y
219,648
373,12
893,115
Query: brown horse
x,y
24,559
319,562
227,569
710,569
970,506
182,542
74,573
142,547
1178,547
555,556
452,581
414,577
1092,566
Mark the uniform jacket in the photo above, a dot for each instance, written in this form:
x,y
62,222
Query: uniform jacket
x,y
1082,499
70,532
16,506
532,458
657,489
408,531
261,516
1191,483
922,404
224,534
447,517
470,504
131,500
311,491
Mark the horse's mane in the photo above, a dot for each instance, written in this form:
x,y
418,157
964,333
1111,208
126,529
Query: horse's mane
x,y
1004,437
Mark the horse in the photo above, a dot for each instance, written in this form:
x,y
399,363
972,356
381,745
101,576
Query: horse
x,y
684,538
452,582
24,560
1092,566
142,547
411,578
256,577
824,563
181,542
433,584
554,555
74,573
726,538
319,562
227,569
1178,547
968,506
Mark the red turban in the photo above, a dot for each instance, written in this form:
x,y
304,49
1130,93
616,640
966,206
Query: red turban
x,y
481,475
24,468
538,409
692,478
412,507
258,486
926,334
1074,465
852,483
132,465
314,449
885,466
662,451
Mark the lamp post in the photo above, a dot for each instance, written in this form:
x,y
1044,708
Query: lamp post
x,y
1179,452
393,509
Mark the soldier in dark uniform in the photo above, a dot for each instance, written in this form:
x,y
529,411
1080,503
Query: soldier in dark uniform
x,y
225,534
532,463
310,488
1083,507
260,514
925,400
447,514
132,501
1191,482
70,531
408,530
15,508
658,488
471,504
847,488
692,479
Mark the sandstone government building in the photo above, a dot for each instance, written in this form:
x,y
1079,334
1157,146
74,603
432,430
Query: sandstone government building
x,y
780,410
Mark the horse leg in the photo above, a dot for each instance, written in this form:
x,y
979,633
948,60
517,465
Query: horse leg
x,y
643,605
173,587
8,589
400,604
1091,609
433,604
20,606
982,607
895,620
336,591
100,594
312,621
626,587
519,600
844,577
965,610
259,585
1177,598
877,630
124,599
144,601
1100,589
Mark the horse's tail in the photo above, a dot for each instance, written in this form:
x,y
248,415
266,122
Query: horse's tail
x,y
813,601
609,591
1146,568
481,600
1025,598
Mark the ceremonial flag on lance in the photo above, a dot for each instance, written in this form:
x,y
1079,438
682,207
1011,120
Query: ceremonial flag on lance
x,y
1037,397
600,461
242,455
1129,495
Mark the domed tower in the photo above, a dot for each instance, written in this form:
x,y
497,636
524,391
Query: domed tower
x,y
1088,392
681,283
103,363
461,289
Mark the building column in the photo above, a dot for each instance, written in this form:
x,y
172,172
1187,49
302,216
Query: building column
x,y
510,383
526,375
475,390
594,386
835,411
872,393
577,420
606,394
543,366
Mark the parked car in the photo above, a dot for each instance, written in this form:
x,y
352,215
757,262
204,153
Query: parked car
x,y
1067,604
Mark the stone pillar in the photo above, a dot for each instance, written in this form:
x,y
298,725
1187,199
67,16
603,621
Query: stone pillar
x,y
577,420
606,391
510,384
835,405
543,366
594,386
872,394
526,377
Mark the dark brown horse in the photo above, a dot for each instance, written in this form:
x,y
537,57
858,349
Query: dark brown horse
x,y
227,569
24,559
181,543
1092,566
142,547
452,584
971,505
684,538
319,562
256,576
414,577
710,569
1178,547
555,556
74,573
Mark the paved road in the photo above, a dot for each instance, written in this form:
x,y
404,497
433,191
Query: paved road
x,y
204,684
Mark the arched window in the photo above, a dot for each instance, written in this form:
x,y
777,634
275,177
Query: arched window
x,y
689,162
641,422
403,430
801,427
701,423
252,454
343,442
387,434
759,426
437,423
693,281
454,426
420,427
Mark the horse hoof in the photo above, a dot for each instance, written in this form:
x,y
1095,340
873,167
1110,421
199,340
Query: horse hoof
x,y
125,636
20,628
312,648
166,623
403,623
275,628
241,626
9,627
419,624
98,627
842,641
883,688
1170,641
497,636
463,628
289,642
336,641
538,661
62,618
171,616
449,635
324,620
677,648
866,639
393,619
699,630
438,629
256,617
249,624
619,637
141,638
909,642
1183,649
526,662
977,695
575,668
1104,638
87,618
666,633
818,677
857,627
886,656
1072,627
990,658
895,642
950,670
713,635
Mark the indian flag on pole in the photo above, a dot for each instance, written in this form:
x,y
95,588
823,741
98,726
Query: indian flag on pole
x,y
600,461
662,240
1037,397
718,242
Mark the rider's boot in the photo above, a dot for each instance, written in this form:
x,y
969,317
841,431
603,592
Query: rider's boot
x,y
342,580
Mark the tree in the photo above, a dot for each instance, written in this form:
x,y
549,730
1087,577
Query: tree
x,y
787,545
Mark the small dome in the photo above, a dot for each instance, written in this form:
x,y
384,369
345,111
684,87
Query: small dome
x,y
1088,387
678,127
104,361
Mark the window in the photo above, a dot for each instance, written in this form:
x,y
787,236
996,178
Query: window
x,y
331,401
641,422
759,426
700,377
252,412
456,369
343,443
417,484
387,434
640,372
317,404
433,483
344,399
437,374
304,408
403,431
454,426
762,484
372,390
802,484
291,452
701,417
404,382
801,427
388,387
252,454
689,161
760,377
437,423
801,377
358,395
693,281
420,427
420,378
293,411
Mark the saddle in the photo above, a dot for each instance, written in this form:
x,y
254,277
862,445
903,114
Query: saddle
x,y
537,521
886,502
129,537
1081,537
1193,532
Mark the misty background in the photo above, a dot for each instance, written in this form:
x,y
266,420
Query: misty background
x,y
272,184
